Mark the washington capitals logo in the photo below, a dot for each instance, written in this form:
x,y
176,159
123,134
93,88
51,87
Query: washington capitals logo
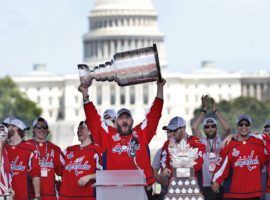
x,y
77,166
46,164
248,161
131,149
15,166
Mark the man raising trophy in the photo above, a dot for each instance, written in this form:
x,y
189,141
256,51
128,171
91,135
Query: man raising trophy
x,y
125,147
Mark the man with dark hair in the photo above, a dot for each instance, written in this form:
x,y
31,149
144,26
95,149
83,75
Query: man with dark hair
x,y
125,146
81,163
50,158
240,167
177,126
212,141
23,162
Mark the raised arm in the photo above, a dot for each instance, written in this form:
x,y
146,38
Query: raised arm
x,y
150,124
223,122
199,118
160,86
93,119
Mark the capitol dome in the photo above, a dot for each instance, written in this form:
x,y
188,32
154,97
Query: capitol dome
x,y
121,25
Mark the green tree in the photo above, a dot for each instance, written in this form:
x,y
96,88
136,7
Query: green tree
x,y
257,110
13,102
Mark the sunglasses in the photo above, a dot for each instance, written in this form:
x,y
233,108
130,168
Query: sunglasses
x,y
266,129
243,124
208,126
41,127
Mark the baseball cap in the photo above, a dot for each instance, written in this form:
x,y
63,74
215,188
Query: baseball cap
x,y
109,113
8,119
122,111
243,117
39,119
19,124
3,130
267,123
175,123
209,120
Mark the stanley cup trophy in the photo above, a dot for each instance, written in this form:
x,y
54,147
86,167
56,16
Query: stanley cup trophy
x,y
126,68
183,185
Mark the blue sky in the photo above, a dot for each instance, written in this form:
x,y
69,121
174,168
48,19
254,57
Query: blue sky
x,y
233,33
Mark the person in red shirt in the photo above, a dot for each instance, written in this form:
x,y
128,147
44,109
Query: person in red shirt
x,y
81,163
5,176
177,126
240,167
124,146
50,157
23,162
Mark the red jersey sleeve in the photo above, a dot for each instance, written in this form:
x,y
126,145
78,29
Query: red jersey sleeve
x,y
150,124
165,158
95,125
223,166
196,143
59,162
34,168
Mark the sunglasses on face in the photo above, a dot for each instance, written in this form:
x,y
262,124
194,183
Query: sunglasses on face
x,y
266,129
243,124
208,126
41,127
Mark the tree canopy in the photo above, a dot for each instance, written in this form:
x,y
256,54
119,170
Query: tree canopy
x,y
15,103
257,110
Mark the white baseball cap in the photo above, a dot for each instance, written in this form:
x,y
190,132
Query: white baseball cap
x,y
243,117
109,113
175,123
38,120
8,119
19,124
209,120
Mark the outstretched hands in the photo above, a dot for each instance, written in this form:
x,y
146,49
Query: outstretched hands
x,y
205,101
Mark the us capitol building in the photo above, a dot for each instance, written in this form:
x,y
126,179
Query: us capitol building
x,y
116,26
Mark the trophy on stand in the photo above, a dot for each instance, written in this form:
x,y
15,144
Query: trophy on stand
x,y
183,185
126,68
5,193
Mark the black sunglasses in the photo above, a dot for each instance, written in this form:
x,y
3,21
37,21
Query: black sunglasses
x,y
243,124
41,127
208,126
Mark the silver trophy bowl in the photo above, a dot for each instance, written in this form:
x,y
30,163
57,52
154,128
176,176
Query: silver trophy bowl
x,y
126,68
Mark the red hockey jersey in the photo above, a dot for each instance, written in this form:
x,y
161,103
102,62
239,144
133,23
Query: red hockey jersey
x,y
50,157
23,164
240,168
126,152
79,161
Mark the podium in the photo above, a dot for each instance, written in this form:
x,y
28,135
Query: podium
x,y
120,185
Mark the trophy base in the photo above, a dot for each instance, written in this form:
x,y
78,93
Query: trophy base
x,y
184,185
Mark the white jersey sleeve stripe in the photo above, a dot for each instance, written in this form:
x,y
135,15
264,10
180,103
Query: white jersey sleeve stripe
x,y
221,170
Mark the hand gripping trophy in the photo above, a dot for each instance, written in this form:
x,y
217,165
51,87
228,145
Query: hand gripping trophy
x,y
183,185
6,192
126,68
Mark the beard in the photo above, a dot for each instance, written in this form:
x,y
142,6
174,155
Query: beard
x,y
10,133
124,132
211,135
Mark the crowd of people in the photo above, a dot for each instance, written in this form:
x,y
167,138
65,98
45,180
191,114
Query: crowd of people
x,y
228,166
